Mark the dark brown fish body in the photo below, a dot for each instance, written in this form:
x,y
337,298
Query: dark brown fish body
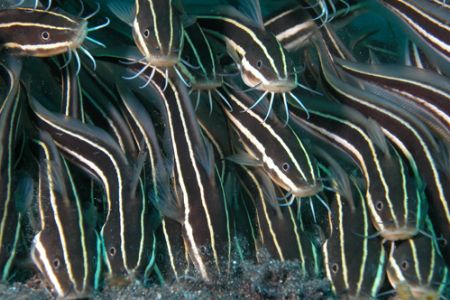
x,y
40,33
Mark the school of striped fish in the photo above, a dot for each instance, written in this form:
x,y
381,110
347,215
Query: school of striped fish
x,y
149,141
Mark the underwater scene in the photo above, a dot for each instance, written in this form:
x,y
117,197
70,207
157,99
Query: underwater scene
x,y
225,149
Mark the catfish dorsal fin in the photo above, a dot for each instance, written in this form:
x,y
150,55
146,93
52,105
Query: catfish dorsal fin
x,y
167,202
205,155
123,9
245,159
138,167
377,136
268,189
339,174
24,193
251,9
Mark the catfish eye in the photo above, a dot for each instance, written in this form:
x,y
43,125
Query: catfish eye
x,y
45,35
259,64
112,251
404,265
285,167
56,263
335,268
146,33
379,205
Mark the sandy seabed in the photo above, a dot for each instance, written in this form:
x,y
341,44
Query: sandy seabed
x,y
271,279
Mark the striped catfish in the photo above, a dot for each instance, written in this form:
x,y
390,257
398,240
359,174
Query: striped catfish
x,y
416,267
393,196
292,27
126,235
409,136
172,254
71,93
157,29
198,205
276,227
215,249
428,23
200,66
101,106
263,62
215,128
44,33
157,175
424,93
171,209
10,216
271,145
354,263
67,249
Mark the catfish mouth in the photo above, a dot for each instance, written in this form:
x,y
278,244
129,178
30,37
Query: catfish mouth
x,y
398,233
271,86
279,86
307,190
82,34
206,85
163,61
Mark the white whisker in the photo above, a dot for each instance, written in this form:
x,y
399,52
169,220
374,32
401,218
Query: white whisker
x,y
77,58
95,42
286,108
198,100
312,210
89,55
287,195
149,79
289,203
210,103
97,9
166,76
257,101
324,203
139,73
81,10
49,4
181,77
272,95
100,26
224,99
69,59
300,103
309,89
185,62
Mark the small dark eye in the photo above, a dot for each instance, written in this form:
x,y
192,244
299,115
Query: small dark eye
x,y
335,268
286,167
379,205
146,33
259,64
112,251
56,263
45,35
405,265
